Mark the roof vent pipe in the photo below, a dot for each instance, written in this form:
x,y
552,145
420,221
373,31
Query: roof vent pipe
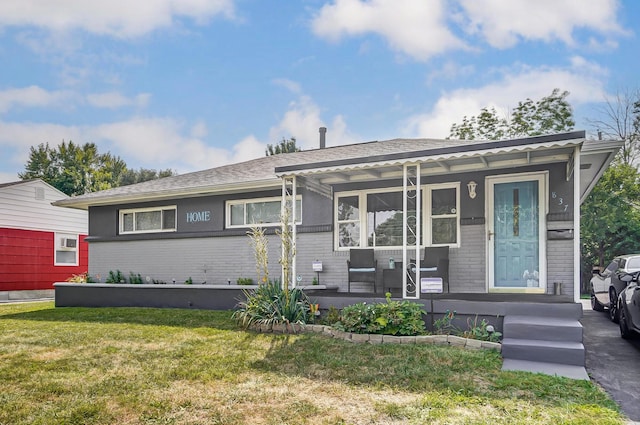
x,y
323,137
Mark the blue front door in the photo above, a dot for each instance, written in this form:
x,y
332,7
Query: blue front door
x,y
516,234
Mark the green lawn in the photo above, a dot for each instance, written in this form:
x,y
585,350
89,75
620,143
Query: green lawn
x,y
165,366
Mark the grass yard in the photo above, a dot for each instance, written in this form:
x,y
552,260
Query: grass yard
x,y
160,366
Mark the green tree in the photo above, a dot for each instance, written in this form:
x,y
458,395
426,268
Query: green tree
x,y
143,175
285,146
610,217
551,114
79,169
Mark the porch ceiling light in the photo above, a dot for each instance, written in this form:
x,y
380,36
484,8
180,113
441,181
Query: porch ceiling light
x,y
471,186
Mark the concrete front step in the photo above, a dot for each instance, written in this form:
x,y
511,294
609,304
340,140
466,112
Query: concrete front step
x,y
553,369
561,352
542,328
561,310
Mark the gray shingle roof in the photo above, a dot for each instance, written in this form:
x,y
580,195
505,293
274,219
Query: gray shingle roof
x,y
260,173
260,170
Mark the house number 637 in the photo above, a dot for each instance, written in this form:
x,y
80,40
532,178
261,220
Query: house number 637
x,y
561,203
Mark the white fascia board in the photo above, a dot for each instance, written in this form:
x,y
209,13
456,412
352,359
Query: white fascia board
x,y
432,158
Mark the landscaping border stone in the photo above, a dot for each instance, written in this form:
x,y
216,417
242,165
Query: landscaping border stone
x,y
451,340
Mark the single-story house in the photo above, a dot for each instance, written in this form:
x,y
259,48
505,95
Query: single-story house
x,y
507,210
39,244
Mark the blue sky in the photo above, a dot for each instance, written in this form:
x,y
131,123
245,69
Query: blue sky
x,y
194,84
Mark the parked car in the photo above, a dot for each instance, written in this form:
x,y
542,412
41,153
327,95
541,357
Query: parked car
x,y
629,307
607,285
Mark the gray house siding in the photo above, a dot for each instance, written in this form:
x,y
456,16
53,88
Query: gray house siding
x,y
207,251
103,220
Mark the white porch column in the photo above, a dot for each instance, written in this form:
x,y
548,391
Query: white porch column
x,y
411,240
289,194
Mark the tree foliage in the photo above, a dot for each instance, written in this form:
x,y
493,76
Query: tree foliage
x,y
143,175
78,169
611,213
611,216
551,114
285,146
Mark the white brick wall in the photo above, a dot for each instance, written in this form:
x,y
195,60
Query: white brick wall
x,y
560,260
228,258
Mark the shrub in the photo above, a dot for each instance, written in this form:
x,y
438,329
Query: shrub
x,y
116,277
244,281
270,304
481,330
135,278
332,316
390,318
80,278
444,325
189,281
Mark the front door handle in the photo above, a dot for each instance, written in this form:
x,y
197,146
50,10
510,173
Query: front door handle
x,y
489,234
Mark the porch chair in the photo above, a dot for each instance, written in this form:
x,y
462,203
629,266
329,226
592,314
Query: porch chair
x,y
434,264
362,266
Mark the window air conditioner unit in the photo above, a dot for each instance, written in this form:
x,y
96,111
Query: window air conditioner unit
x,y
68,242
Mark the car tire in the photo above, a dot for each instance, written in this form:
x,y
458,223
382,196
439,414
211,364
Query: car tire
x,y
595,304
613,306
625,332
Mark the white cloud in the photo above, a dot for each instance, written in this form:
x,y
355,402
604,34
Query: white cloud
x,y
17,138
416,28
37,97
302,120
582,79
142,142
115,100
290,85
32,96
199,130
503,23
116,18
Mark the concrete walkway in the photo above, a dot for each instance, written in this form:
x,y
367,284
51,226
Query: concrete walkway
x,y
612,362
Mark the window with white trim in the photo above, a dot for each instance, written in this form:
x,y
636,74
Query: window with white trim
x,y
148,220
374,218
66,249
261,212
348,221
443,207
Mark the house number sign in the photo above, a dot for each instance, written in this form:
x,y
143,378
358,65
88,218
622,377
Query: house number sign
x,y
560,201
198,216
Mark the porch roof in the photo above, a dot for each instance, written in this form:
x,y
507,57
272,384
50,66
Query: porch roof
x,y
455,156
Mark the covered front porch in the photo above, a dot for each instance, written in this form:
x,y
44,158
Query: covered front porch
x,y
507,211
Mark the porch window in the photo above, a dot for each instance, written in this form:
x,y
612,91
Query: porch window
x,y
443,207
263,212
348,221
148,220
384,218
373,218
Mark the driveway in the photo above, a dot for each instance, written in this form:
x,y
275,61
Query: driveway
x,y
612,362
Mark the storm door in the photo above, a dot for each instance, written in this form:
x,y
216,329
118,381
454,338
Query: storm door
x,y
515,233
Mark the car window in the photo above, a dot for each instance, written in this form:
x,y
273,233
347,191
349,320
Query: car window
x,y
633,264
612,267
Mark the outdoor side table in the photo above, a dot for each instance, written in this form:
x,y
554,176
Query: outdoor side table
x,y
392,278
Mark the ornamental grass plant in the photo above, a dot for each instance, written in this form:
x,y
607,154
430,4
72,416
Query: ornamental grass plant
x,y
270,304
